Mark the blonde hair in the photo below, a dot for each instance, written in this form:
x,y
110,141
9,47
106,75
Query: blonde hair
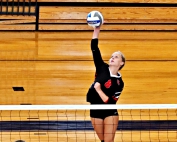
x,y
123,59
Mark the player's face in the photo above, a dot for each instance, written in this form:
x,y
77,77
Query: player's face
x,y
116,59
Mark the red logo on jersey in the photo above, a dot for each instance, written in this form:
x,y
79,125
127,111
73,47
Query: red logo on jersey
x,y
108,84
118,82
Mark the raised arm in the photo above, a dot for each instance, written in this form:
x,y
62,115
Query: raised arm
x,y
96,32
98,61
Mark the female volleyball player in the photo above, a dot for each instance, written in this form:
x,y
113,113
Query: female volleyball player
x,y
106,89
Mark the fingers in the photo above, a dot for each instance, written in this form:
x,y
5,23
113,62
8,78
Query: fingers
x,y
100,25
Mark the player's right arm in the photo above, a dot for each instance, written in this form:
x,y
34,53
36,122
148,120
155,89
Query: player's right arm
x,y
98,61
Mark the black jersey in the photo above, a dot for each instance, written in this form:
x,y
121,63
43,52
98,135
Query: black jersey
x,y
111,85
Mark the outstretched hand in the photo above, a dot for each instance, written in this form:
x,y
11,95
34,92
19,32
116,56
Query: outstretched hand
x,y
98,27
96,31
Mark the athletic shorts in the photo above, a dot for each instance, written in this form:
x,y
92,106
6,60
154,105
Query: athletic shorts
x,y
102,114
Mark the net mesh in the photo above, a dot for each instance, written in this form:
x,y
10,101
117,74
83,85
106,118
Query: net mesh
x,y
71,123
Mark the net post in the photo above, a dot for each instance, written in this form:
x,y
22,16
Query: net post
x,y
12,7
37,17
7,7
18,9
29,8
23,12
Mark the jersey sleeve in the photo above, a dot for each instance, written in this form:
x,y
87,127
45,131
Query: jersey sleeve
x,y
98,61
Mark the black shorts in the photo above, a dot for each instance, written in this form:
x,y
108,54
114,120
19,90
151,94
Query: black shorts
x,y
102,114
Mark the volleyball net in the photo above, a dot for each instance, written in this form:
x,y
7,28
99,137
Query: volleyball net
x,y
71,123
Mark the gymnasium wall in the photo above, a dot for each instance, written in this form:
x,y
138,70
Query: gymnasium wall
x,y
71,15
54,64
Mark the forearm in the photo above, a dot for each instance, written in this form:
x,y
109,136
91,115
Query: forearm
x,y
98,61
96,33
102,95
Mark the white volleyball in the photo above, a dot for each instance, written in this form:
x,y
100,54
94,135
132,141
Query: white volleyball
x,y
95,19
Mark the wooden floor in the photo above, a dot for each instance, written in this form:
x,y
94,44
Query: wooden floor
x,y
88,136
57,68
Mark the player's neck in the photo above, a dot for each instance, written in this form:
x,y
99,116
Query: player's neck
x,y
113,70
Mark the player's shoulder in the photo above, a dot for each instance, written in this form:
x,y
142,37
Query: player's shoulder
x,y
106,65
120,78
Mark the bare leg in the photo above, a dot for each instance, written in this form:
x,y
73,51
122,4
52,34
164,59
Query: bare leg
x,y
98,127
110,127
